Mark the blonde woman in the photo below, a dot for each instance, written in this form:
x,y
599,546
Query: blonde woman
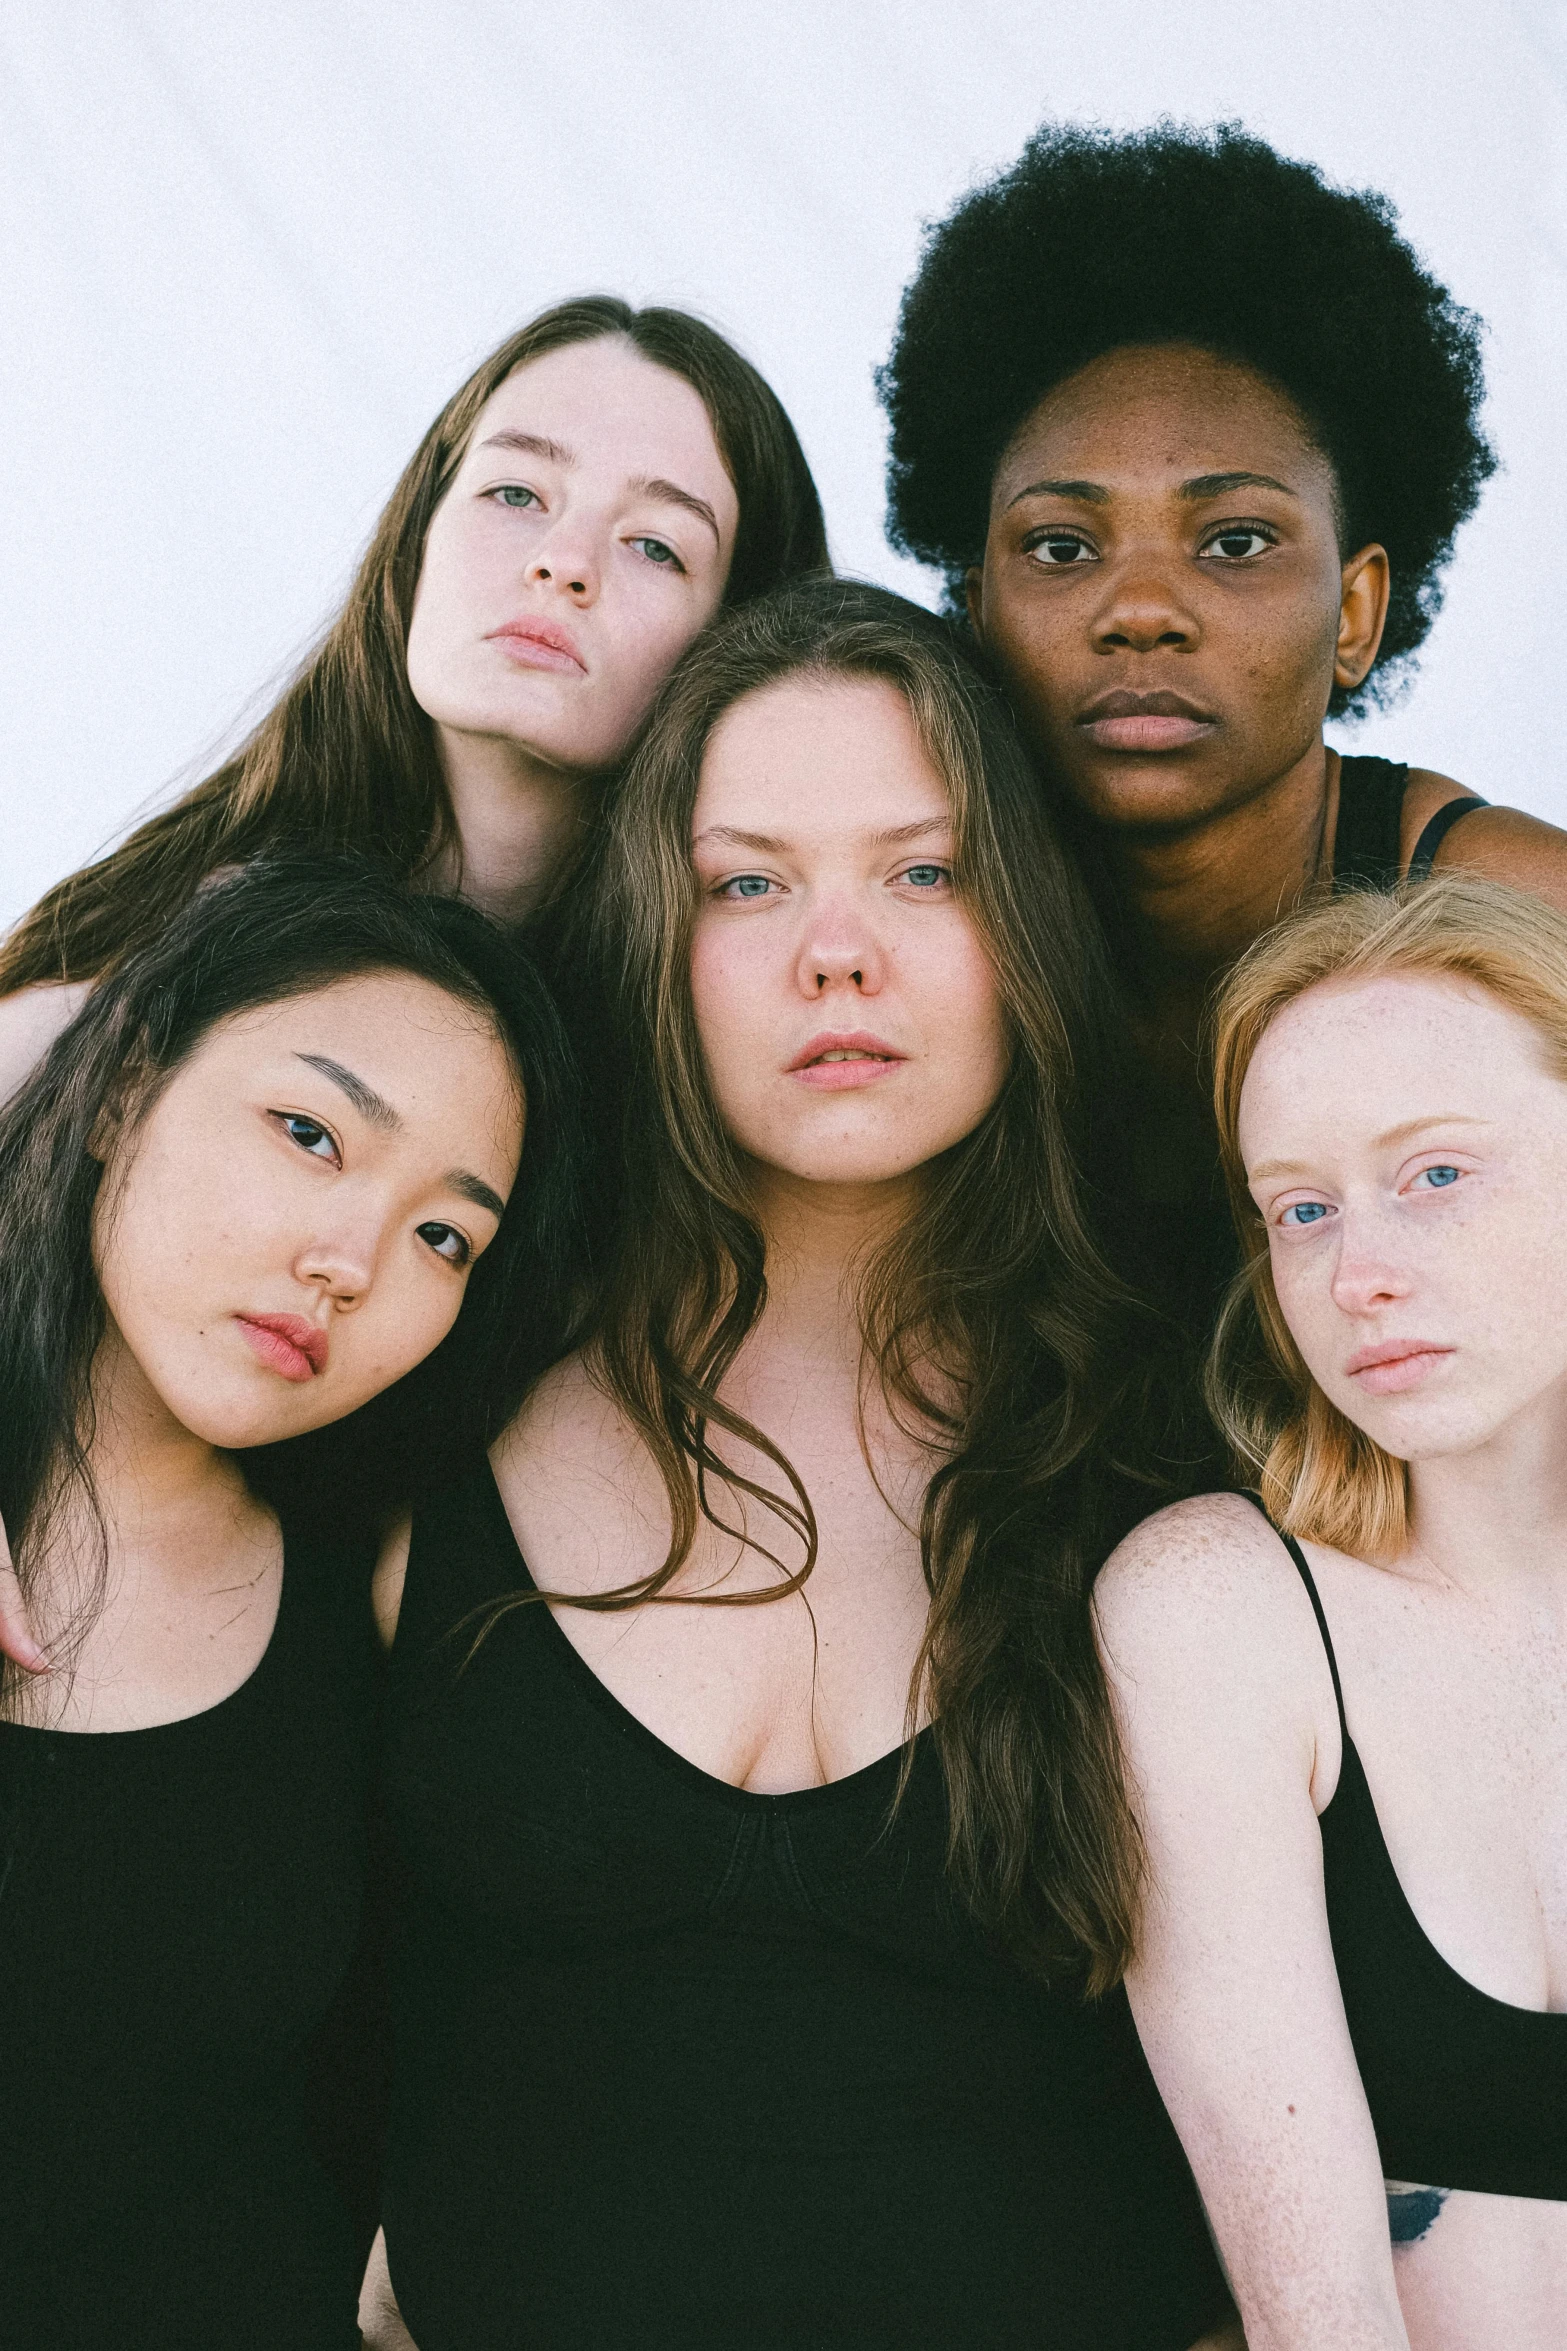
x,y
1348,1737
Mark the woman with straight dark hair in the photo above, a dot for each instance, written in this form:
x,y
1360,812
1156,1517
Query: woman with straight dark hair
x,y
257,1199
749,1750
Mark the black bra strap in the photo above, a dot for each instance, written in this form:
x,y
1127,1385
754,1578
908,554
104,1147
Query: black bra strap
x,y
1435,831
1315,1597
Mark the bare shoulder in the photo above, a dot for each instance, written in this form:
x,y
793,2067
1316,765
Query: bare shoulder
x,y
30,1020
1200,1595
1500,844
583,1494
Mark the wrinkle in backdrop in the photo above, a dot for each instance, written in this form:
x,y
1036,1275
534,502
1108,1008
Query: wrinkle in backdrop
x,y
244,256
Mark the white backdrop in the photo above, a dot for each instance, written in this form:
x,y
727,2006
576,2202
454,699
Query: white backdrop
x,y
247,253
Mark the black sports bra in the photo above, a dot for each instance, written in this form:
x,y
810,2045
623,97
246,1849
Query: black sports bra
x,y
1370,820
1465,2091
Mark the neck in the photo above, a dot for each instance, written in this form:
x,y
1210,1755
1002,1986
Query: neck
x,y
819,1237
1495,1519
518,819
1194,900
158,1487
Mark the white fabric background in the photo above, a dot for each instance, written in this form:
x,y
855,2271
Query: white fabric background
x,y
247,252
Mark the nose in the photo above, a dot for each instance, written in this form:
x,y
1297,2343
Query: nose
x,y
564,559
1143,610
340,1263
839,951
1365,1276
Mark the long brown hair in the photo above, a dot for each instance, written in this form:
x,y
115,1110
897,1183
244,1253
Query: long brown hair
x,y
1319,1475
346,759
990,1318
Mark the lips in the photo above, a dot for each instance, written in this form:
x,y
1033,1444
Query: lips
x,y
839,1059
1395,1365
286,1343
1124,721
539,644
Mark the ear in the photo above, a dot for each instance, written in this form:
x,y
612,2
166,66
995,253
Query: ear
x,y
974,600
1362,615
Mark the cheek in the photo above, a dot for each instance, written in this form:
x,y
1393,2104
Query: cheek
x,y
733,978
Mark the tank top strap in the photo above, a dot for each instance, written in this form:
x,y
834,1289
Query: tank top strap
x,y
461,1556
1315,1597
1436,829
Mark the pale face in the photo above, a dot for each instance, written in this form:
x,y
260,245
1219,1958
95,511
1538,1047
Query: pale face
x,y
291,1227
584,541
1407,1146
846,1007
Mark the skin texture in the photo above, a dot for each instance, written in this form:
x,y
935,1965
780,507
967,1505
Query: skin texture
x,y
255,1185
1149,569
592,497
1406,1142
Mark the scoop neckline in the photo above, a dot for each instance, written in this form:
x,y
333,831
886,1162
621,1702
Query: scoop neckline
x,y
670,1758
182,1722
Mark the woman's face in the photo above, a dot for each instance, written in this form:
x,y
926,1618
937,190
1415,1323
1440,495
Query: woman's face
x,y
291,1226
585,539
1163,587
1407,1147
847,1010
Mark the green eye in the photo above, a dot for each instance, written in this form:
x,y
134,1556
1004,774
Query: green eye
x,y
514,494
657,552
926,877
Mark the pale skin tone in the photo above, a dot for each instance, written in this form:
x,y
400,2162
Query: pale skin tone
x,y
334,1164
1163,524
1406,1143
828,927
591,501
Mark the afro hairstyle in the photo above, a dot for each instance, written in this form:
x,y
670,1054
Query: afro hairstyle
x,y
1093,241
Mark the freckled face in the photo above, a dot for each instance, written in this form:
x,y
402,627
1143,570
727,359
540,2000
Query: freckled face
x,y
846,1006
1163,587
291,1226
1406,1145
584,541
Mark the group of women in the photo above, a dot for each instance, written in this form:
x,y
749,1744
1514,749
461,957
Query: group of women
x,y
801,1356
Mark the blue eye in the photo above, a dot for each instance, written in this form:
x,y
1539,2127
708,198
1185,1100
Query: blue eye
x,y
1438,1177
925,877
747,885
657,552
1304,1212
514,494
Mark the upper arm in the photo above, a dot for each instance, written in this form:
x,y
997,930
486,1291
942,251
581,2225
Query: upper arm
x,y
30,1021
391,1573
1227,1714
1500,844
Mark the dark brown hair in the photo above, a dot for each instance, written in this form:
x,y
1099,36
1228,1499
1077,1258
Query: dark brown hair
x,y
346,759
990,1318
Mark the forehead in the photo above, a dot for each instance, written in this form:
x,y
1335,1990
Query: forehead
x,y
824,757
1170,409
1349,1059
432,1057
611,408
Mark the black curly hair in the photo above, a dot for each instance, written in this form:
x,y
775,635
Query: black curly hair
x,y
1093,241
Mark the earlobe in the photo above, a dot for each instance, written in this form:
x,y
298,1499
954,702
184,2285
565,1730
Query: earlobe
x,y
974,600
1362,615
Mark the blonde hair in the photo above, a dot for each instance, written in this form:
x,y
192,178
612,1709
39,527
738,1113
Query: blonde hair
x,y
1319,1475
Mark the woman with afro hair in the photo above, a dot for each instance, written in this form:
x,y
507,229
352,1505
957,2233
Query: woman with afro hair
x,y
1190,433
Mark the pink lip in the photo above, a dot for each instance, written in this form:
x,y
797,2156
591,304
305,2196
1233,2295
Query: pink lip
x,y
834,1077
1124,721
1394,1366
286,1343
539,644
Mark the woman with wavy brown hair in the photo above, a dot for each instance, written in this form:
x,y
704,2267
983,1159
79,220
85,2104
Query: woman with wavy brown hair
x,y
749,1753
1346,1728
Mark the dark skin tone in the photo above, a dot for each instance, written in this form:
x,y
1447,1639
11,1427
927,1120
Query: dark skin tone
x,y
1162,525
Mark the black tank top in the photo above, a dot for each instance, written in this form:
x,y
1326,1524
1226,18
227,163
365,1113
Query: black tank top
x,y
1465,2091
1370,816
679,2064
179,1908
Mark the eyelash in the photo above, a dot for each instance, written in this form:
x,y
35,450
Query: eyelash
x,y
1436,1167
1061,536
517,498
751,898
289,1119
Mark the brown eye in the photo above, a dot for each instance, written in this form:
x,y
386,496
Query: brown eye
x,y
447,1242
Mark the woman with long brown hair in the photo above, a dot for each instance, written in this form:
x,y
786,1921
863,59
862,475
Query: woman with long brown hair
x,y
580,508
749,1750
1347,1727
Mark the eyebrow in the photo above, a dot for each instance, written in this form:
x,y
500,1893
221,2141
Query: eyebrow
x,y
1202,485
531,445
672,495
771,844
1403,1133
474,1188
369,1104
